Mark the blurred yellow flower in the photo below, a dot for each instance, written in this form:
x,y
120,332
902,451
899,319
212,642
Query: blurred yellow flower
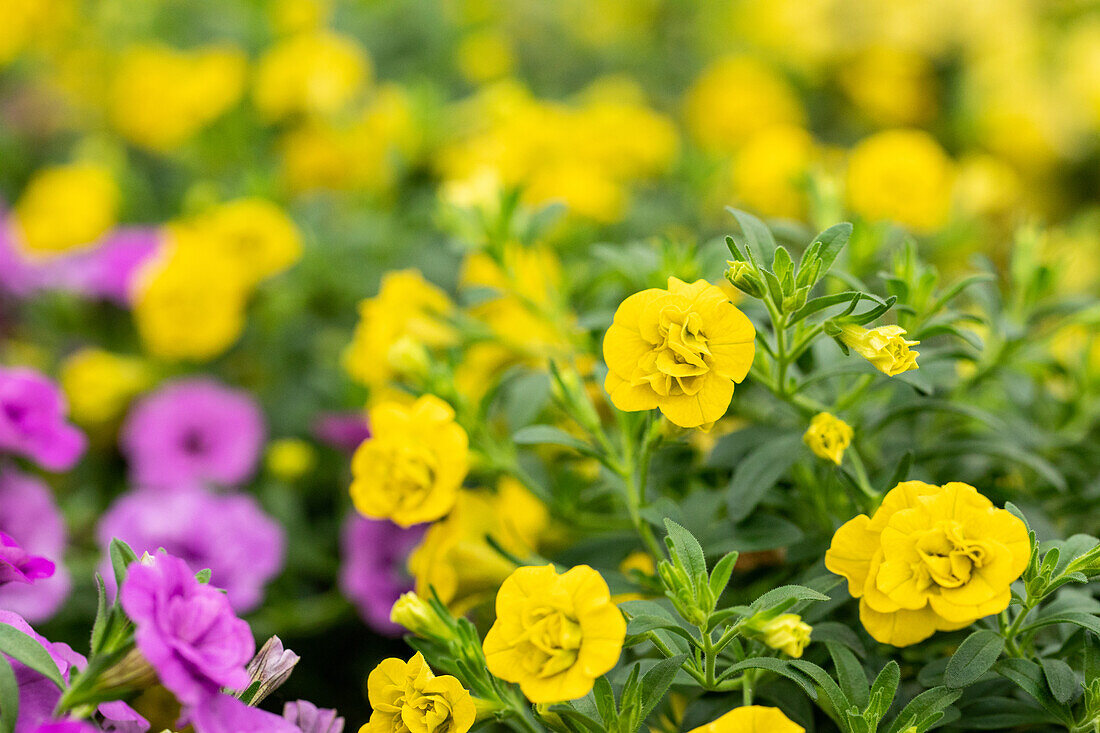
x,y
771,171
891,85
99,385
828,436
902,176
787,633
484,55
751,719
680,350
255,234
885,347
288,459
407,307
160,96
930,559
735,98
410,470
296,16
312,73
65,207
455,560
407,696
554,634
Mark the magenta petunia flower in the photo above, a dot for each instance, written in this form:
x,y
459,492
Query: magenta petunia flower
x,y
229,534
66,726
227,714
19,566
32,420
28,513
118,717
37,694
344,431
193,430
311,719
373,573
185,629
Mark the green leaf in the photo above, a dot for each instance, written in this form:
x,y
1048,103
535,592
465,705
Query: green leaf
x,y
782,263
25,649
9,696
850,674
1062,682
920,707
827,684
1084,620
832,242
838,633
956,288
203,576
780,667
720,575
638,625
822,302
99,626
656,682
974,657
781,598
757,473
884,688
605,700
1029,677
683,545
757,236
550,435
121,557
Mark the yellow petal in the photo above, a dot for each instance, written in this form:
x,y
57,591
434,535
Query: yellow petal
x,y
900,628
850,553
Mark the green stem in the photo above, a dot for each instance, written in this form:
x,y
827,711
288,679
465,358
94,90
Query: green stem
x,y
634,470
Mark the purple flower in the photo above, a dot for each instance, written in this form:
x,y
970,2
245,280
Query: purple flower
x,y
193,430
227,714
311,719
67,726
118,717
19,566
186,629
37,694
32,420
373,574
230,534
344,431
27,507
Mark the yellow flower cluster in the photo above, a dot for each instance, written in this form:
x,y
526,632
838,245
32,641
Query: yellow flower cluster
x,y
828,436
311,73
99,385
66,207
407,696
554,634
583,155
931,558
680,350
189,303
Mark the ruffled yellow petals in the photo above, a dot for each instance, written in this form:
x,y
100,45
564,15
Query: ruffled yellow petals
x,y
752,719
885,347
680,350
407,696
930,559
828,436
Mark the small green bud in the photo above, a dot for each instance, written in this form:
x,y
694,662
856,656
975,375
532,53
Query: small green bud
x,y
745,279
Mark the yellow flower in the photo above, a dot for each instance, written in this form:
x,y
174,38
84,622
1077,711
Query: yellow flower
x,y
99,384
892,86
751,719
407,305
885,347
417,615
406,696
828,436
554,634
189,304
456,561
771,172
255,234
484,55
787,632
680,350
65,207
312,73
736,97
902,176
290,458
160,96
409,471
930,559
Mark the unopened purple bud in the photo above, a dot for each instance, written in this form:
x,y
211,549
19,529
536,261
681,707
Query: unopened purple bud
x,y
268,670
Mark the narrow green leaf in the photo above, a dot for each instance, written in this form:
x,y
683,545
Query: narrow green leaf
x,y
605,700
25,649
822,302
850,674
885,687
121,557
757,236
720,575
656,682
920,707
9,696
832,242
99,626
780,667
550,435
973,658
1062,682
757,473
687,548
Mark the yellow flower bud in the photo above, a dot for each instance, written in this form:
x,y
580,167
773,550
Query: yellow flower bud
x,y
416,615
828,436
885,347
788,633
290,458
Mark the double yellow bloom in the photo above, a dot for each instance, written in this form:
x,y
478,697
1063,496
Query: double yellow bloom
x,y
406,696
751,719
930,559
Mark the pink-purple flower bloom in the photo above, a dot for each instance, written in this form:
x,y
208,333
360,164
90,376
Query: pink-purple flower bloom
x,y
66,726
28,512
19,566
229,534
373,573
32,420
344,431
311,719
193,430
227,714
186,629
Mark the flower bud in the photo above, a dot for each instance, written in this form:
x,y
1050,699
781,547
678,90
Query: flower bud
x,y
885,347
408,357
787,632
828,436
132,672
268,670
289,459
744,278
416,615
795,300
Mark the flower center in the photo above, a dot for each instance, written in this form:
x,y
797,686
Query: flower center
x,y
948,557
550,641
410,470
422,713
678,360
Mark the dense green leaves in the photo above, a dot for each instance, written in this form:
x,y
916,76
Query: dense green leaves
x,y
973,658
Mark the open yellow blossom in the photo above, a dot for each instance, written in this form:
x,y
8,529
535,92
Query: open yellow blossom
x,y
254,233
407,696
902,176
751,719
456,561
680,350
65,207
312,73
885,347
159,96
407,305
787,632
99,384
931,559
771,172
554,634
828,436
409,471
